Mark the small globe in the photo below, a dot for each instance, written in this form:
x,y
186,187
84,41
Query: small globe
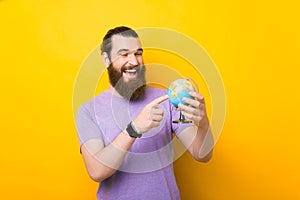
x,y
178,90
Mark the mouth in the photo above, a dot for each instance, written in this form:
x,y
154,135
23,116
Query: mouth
x,y
130,73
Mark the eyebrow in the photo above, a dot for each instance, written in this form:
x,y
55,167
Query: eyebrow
x,y
120,50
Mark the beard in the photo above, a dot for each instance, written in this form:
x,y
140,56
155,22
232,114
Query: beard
x,y
133,89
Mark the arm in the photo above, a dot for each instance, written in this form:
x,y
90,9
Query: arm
x,y
102,162
198,139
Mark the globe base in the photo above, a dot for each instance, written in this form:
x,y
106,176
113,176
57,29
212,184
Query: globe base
x,y
182,120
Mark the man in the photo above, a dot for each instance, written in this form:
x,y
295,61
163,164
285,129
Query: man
x,y
125,132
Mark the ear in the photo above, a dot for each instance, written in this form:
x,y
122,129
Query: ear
x,y
105,59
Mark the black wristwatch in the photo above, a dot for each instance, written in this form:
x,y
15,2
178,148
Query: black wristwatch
x,y
132,131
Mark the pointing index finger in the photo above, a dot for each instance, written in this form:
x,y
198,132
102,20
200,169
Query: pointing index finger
x,y
159,100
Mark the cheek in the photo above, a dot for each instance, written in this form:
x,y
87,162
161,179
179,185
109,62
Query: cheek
x,y
118,65
140,59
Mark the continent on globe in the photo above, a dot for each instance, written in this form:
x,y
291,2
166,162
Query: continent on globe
x,y
179,89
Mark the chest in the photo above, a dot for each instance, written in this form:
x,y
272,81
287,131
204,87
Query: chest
x,y
114,116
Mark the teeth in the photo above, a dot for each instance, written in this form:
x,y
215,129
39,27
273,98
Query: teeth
x,y
130,70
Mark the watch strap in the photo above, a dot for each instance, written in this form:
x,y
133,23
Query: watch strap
x,y
132,131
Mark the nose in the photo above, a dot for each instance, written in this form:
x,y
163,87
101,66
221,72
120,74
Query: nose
x,y
132,60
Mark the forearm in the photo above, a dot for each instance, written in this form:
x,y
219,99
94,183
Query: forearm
x,y
202,145
103,162
199,141
113,155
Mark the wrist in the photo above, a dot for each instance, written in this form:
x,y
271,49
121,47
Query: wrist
x,y
132,130
125,132
136,128
203,123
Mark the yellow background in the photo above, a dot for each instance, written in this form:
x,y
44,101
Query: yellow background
x,y
255,45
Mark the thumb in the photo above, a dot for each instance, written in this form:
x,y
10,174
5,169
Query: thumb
x,y
158,100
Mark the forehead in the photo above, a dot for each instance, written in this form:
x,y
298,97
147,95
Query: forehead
x,y
120,42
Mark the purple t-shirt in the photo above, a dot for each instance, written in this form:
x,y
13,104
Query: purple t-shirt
x,y
147,170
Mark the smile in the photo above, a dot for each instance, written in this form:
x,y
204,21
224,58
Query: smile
x,y
130,73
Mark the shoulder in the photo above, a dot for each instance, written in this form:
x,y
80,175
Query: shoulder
x,y
88,107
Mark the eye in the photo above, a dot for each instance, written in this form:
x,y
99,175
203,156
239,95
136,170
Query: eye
x,y
139,53
124,54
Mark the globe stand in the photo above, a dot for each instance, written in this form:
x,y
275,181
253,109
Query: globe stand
x,y
182,120
179,89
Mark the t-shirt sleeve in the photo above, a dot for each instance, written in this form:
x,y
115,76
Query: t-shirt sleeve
x,y
86,124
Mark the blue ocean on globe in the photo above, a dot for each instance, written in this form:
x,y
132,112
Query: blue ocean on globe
x,y
178,90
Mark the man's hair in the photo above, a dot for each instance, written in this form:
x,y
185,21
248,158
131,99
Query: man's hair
x,y
124,31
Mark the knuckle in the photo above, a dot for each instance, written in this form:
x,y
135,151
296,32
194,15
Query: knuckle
x,y
161,111
155,124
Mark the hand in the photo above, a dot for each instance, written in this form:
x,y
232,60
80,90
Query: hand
x,y
195,109
150,116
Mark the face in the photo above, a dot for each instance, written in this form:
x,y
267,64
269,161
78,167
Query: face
x,y
126,69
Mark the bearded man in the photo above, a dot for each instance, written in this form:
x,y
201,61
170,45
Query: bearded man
x,y
125,132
